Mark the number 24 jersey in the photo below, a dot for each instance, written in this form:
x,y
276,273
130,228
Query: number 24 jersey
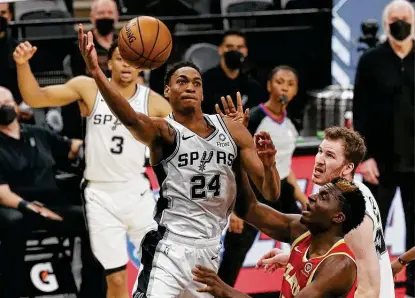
x,y
198,187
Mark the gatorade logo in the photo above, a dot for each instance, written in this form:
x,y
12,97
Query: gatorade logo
x,y
43,278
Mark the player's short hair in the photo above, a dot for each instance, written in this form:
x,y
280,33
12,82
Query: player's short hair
x,y
353,143
112,48
232,32
177,66
353,203
276,69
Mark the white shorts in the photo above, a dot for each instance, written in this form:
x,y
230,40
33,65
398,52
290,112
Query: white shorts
x,y
168,261
113,210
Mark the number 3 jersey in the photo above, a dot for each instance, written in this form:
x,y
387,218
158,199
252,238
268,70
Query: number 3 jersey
x,y
198,187
112,153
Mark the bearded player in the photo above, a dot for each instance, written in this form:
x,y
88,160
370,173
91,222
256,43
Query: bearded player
x,y
117,193
198,154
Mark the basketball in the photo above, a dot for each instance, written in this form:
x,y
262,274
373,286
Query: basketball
x,y
145,42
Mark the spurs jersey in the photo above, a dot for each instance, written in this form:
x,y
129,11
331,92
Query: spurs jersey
x,y
300,270
112,153
387,285
198,190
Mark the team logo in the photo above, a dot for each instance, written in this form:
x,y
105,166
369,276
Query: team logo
x,y
116,124
222,137
307,269
43,278
205,159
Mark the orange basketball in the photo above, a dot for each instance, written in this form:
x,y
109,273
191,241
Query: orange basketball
x,y
145,42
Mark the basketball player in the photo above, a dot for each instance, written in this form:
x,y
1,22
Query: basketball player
x,y
339,148
339,156
198,154
321,264
117,194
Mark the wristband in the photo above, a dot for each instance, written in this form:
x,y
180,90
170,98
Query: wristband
x,y
25,208
22,207
402,262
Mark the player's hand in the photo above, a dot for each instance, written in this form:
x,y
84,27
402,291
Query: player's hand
x,y
237,114
272,260
87,48
43,211
236,225
396,267
370,171
23,53
214,285
265,148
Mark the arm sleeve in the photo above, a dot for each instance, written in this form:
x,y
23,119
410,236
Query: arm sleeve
x,y
59,146
2,177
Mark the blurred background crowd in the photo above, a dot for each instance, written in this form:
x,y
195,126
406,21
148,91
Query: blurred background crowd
x,y
333,60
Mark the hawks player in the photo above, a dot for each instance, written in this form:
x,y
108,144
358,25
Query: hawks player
x,y
320,264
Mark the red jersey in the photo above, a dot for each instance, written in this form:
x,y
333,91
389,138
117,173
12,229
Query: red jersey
x,y
300,271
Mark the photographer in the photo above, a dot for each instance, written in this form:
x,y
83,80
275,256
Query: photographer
x,y
383,110
28,158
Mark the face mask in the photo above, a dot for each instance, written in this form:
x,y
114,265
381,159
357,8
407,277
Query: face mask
x,y
104,26
400,30
233,59
3,24
7,114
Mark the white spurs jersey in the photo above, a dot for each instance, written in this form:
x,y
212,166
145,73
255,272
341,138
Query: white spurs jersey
x,y
198,189
112,153
387,285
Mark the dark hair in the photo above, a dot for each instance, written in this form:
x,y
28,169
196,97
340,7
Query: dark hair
x,y
353,143
177,66
232,32
112,48
353,204
282,67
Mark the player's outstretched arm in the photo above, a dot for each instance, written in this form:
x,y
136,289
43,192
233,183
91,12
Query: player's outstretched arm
x,y
360,241
33,94
277,225
334,278
259,163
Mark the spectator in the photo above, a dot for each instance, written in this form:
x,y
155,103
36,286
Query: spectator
x,y
383,111
104,16
270,117
8,77
227,78
28,157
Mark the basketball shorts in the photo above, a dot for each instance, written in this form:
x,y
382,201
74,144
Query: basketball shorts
x,y
168,260
113,210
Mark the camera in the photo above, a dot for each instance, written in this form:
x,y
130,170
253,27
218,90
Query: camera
x,y
369,36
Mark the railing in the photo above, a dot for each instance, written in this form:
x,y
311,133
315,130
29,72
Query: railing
x,y
18,27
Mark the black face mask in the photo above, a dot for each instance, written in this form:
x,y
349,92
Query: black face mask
x,y
104,26
400,29
3,24
7,114
233,59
